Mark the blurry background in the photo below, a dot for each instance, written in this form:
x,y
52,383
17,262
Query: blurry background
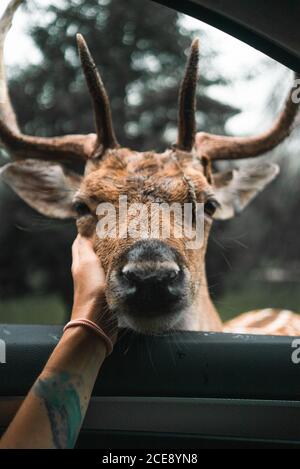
x,y
254,260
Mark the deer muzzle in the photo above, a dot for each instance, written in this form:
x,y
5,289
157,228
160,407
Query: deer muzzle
x,y
150,286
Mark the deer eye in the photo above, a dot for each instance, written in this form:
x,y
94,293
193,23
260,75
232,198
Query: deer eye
x,y
210,207
81,209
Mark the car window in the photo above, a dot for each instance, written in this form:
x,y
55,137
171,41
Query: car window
x,y
252,260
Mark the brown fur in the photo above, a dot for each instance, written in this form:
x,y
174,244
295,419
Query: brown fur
x,y
148,177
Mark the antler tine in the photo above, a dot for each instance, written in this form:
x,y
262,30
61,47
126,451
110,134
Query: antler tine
x,y
103,117
217,147
187,101
22,146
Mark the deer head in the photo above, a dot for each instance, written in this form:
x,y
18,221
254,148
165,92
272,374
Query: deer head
x,y
152,284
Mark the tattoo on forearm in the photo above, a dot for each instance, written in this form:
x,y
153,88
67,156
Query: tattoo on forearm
x,y
61,399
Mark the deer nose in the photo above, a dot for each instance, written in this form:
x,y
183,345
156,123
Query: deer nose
x,y
151,288
152,279
155,273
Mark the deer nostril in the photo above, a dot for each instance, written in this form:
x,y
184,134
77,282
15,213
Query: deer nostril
x,y
130,275
173,273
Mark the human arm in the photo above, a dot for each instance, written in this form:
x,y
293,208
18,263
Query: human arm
x,y
52,413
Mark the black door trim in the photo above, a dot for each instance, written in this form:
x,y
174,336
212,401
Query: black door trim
x,y
240,31
182,364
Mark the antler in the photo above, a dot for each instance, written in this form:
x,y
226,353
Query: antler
x,y
187,101
22,146
217,147
103,119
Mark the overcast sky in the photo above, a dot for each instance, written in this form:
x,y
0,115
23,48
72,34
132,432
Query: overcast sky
x,y
235,60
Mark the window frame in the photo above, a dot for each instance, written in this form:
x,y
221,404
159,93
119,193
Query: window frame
x,y
250,24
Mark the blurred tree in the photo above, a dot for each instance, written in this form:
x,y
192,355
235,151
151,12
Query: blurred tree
x,y
266,236
139,47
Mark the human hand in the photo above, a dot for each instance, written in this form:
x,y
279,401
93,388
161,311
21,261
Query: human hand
x,y
89,287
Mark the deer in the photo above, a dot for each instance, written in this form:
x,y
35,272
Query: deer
x,y
153,285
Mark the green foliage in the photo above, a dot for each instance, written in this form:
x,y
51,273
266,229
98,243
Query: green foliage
x,y
33,310
258,295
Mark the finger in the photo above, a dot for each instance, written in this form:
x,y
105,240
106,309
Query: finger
x,y
75,254
86,250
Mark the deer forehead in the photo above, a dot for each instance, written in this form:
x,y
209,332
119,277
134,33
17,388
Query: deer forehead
x,y
146,174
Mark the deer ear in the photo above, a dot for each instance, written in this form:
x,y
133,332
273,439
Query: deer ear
x,y
46,187
235,189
